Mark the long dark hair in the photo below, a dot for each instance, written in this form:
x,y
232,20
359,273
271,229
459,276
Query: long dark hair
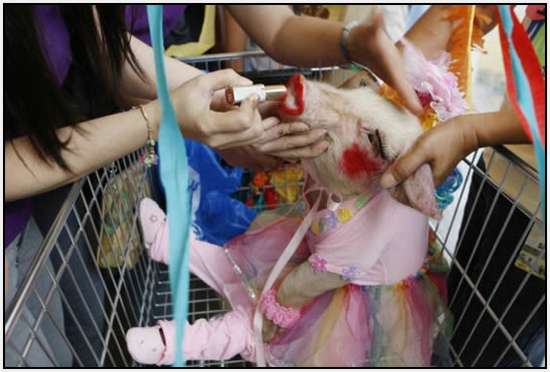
x,y
35,104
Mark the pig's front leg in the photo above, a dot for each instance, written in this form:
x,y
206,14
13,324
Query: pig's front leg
x,y
299,287
303,284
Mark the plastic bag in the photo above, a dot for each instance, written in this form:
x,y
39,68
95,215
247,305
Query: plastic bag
x,y
218,217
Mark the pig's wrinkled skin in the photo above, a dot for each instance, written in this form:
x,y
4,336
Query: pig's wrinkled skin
x,y
351,116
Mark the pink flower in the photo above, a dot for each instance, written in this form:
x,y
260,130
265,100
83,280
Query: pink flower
x,y
318,263
434,83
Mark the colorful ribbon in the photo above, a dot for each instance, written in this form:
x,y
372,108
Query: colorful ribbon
x,y
175,179
525,86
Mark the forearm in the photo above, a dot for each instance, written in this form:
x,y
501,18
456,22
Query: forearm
x,y
96,143
291,39
234,39
431,32
136,90
497,128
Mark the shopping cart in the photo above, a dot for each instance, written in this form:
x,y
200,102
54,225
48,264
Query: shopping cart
x,y
493,238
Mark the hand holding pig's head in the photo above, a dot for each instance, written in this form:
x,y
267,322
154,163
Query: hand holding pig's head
x,y
367,133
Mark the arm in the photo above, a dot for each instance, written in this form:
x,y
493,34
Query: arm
x,y
282,34
96,142
314,42
135,90
234,39
447,144
432,31
90,146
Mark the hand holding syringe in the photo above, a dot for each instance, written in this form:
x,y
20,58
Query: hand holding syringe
x,y
237,94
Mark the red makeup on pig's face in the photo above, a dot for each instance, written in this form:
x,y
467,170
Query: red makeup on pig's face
x,y
292,103
357,162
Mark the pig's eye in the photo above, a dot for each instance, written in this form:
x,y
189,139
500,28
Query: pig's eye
x,y
375,140
380,144
371,137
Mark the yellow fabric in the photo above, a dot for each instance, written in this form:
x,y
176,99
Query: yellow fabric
x,y
337,12
207,38
327,324
287,183
461,44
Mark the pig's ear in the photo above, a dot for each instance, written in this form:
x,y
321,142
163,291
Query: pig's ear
x,y
418,192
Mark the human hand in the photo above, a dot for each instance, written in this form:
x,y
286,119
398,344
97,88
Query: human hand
x,y
369,45
280,141
195,103
442,147
291,141
248,157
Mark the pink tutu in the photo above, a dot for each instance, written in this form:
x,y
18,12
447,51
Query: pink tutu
x,y
404,324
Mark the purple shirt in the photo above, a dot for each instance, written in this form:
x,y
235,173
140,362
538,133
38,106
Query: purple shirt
x,y
55,43
54,40
136,20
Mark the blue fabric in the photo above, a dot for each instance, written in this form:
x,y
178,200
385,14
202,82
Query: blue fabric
x,y
217,183
175,179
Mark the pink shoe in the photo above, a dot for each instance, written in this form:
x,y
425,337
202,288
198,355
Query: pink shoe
x,y
145,344
219,338
155,230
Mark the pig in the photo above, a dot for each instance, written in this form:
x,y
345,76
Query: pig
x,y
332,273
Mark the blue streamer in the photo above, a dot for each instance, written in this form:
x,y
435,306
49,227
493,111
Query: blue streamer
x,y
525,101
444,192
175,179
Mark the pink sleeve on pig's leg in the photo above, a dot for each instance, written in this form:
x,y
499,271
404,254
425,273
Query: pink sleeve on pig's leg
x,y
210,263
218,338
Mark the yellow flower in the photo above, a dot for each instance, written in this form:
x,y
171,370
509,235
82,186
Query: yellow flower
x,y
315,227
344,215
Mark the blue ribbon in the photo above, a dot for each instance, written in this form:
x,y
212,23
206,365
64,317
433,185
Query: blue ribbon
x,y
175,179
444,192
525,100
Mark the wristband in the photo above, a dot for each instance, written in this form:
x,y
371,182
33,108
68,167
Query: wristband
x,y
151,157
346,30
284,317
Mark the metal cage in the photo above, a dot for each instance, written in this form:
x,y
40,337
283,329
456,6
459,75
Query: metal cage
x,y
492,235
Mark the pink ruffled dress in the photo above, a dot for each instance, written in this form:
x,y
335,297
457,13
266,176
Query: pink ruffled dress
x,y
392,312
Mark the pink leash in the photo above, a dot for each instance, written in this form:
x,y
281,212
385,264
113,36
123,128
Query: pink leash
x,y
277,269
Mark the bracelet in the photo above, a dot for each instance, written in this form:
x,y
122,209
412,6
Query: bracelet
x,y
346,30
284,317
151,157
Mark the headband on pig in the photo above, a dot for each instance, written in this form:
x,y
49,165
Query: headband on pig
x,y
444,85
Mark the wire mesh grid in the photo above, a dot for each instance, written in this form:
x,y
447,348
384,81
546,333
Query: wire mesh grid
x,y
75,304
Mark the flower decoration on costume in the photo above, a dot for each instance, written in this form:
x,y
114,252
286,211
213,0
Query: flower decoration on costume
x,y
344,215
318,263
328,221
350,273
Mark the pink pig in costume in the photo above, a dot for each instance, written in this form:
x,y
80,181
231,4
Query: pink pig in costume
x,y
388,308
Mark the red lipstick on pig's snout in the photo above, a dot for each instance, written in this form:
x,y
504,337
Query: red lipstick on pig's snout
x,y
357,162
295,87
